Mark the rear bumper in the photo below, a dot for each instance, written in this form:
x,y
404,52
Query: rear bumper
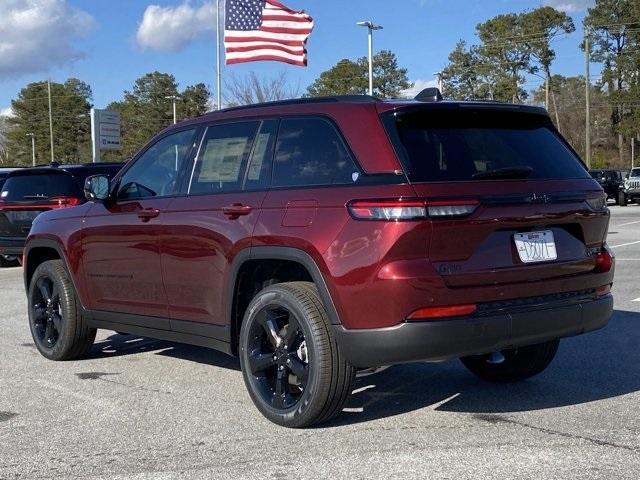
x,y
444,339
13,246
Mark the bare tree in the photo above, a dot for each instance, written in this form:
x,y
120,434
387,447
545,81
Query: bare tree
x,y
255,89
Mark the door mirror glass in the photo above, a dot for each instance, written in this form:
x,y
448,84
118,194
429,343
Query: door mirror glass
x,y
97,187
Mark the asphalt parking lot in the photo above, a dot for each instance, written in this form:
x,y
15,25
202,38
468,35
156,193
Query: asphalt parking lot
x,y
141,409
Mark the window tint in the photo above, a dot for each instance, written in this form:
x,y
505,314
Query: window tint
x,y
479,145
222,160
310,151
39,187
259,173
635,172
154,174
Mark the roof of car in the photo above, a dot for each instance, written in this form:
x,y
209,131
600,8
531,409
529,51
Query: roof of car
x,y
60,168
289,106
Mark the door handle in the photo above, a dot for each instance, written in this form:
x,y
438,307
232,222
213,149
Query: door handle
x,y
147,214
237,210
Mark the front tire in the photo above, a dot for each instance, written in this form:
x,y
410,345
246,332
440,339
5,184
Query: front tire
x,y
55,318
519,363
291,364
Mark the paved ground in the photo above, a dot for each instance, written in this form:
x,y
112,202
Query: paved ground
x,y
141,409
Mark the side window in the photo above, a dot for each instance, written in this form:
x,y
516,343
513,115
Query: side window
x,y
259,172
154,174
310,151
223,157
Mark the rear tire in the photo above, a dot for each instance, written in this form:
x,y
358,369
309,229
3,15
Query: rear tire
x,y
55,317
622,199
519,363
291,364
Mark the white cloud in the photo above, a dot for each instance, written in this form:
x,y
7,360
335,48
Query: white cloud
x,y
570,6
169,29
418,86
6,112
36,35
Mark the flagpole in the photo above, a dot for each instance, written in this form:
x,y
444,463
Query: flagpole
x,y
218,58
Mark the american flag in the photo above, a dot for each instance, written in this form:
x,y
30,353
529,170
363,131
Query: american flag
x,y
265,30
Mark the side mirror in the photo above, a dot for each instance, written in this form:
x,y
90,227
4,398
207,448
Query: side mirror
x,y
97,187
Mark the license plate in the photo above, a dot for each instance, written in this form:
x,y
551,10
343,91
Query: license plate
x,y
536,246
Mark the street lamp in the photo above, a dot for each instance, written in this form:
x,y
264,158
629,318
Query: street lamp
x,y
173,98
371,27
33,147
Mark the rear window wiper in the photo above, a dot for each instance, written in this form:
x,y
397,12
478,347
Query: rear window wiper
x,y
507,172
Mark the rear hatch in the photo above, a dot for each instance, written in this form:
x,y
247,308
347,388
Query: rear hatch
x,y
511,201
26,194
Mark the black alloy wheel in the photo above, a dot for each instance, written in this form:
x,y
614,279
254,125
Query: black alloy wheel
x,y
277,354
291,363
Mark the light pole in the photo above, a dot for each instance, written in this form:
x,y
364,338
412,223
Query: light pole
x,y
173,98
371,27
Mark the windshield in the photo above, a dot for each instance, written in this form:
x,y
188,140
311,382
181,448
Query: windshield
x,y
27,188
456,145
635,172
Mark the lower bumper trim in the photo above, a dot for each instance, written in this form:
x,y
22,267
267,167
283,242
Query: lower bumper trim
x,y
445,339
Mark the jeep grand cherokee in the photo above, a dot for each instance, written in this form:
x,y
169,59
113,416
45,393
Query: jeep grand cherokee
x,y
319,236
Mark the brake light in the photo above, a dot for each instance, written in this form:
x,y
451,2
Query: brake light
x,y
410,209
62,202
442,312
604,260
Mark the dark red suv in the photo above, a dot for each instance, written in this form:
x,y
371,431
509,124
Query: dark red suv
x,y
320,236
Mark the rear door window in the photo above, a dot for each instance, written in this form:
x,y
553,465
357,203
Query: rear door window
x,y
310,151
457,145
28,188
223,158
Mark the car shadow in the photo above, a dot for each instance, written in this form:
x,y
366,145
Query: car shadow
x,y
117,345
587,368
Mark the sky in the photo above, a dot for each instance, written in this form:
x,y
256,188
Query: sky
x,y
110,43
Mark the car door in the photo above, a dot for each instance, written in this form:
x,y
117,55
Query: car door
x,y
121,237
206,228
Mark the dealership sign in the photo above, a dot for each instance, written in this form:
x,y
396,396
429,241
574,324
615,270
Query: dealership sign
x,y
105,131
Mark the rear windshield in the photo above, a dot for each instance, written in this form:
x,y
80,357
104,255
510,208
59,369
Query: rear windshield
x,y
25,188
459,145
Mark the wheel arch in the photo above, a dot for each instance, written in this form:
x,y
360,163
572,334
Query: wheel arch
x,y
38,251
252,256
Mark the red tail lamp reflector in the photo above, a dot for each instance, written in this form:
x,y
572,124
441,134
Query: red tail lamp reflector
x,y
443,312
602,291
604,261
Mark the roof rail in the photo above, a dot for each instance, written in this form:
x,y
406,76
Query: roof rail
x,y
303,101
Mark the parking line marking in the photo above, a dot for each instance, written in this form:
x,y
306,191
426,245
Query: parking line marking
x,y
636,300
625,244
628,223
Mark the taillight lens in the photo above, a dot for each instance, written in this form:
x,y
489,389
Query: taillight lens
x,y
387,209
410,209
451,208
604,260
442,312
62,202
598,202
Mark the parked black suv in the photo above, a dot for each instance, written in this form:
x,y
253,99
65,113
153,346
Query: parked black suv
x,y
612,181
27,192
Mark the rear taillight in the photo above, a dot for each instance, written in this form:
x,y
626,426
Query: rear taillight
x,y
62,202
410,209
604,260
429,313
598,202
